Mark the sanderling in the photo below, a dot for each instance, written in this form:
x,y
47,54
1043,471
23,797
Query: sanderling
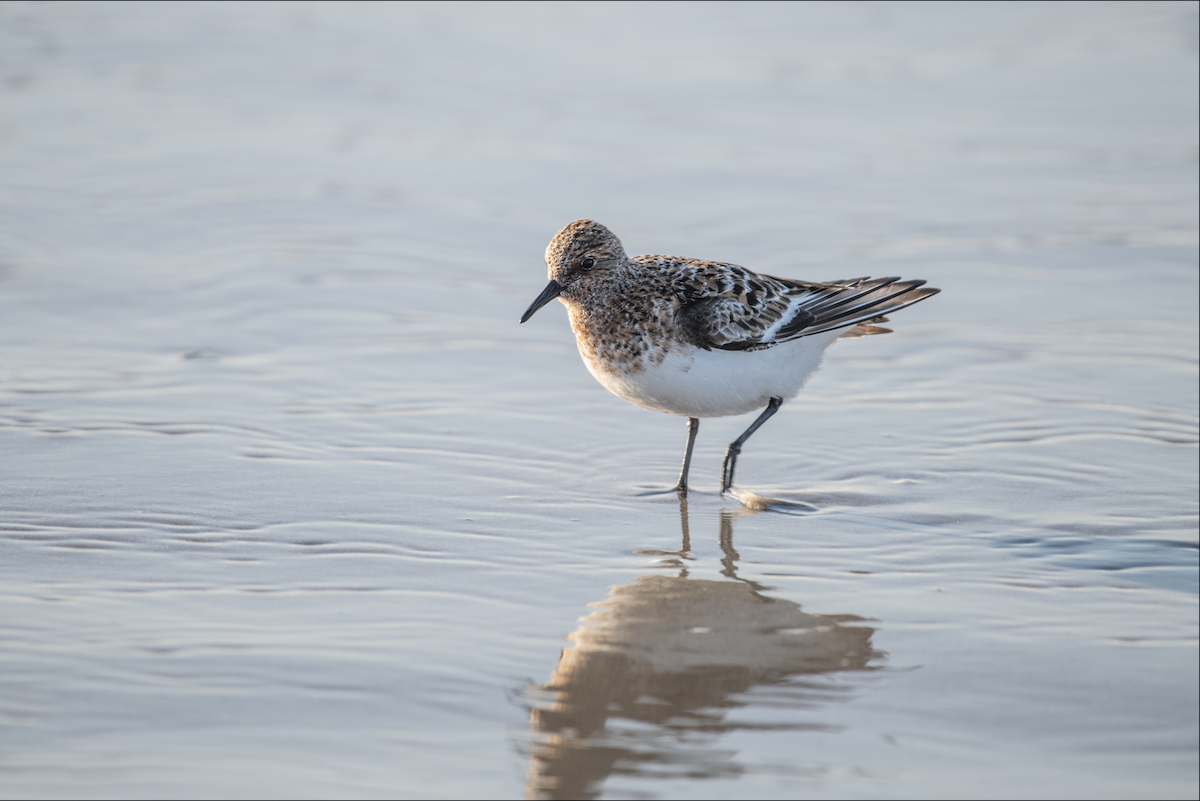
x,y
704,338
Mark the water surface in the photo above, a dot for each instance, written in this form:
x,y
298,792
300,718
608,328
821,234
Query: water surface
x,y
291,505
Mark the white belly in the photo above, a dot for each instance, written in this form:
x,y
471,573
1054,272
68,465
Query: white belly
x,y
716,383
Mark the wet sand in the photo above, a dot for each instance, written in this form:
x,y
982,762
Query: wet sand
x,y
291,505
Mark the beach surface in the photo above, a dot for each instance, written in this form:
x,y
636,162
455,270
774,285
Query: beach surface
x,y
290,505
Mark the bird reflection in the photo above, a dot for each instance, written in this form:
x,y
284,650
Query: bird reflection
x,y
649,685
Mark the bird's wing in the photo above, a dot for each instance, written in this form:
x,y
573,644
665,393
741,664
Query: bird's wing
x,y
859,302
728,307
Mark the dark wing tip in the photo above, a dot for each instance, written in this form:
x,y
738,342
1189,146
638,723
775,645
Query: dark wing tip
x,y
863,301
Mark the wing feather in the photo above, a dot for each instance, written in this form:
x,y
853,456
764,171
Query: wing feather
x,y
726,306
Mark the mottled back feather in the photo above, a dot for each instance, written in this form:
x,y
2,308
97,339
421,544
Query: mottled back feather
x,y
729,307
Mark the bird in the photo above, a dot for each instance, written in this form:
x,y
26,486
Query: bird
x,y
701,339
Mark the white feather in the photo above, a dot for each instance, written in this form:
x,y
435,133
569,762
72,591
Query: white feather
x,y
716,383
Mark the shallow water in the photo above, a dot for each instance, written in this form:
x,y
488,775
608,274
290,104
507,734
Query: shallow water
x,y
290,504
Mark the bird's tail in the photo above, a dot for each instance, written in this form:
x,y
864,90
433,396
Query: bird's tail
x,y
859,303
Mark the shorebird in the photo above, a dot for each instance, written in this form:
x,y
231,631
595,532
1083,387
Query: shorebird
x,y
702,338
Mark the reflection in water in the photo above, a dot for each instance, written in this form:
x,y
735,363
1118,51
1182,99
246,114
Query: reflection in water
x,y
648,685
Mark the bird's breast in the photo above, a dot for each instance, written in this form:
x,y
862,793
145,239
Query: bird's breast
x,y
626,339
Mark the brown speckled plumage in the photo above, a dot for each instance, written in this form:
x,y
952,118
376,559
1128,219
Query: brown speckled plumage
x,y
626,311
704,338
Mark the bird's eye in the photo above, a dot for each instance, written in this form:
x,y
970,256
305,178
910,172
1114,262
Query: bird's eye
x,y
587,263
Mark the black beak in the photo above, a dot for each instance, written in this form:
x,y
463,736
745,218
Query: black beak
x,y
551,292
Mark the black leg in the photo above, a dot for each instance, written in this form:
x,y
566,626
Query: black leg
x,y
693,427
735,447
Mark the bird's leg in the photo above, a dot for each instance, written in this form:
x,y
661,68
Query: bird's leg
x,y
693,427
735,447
